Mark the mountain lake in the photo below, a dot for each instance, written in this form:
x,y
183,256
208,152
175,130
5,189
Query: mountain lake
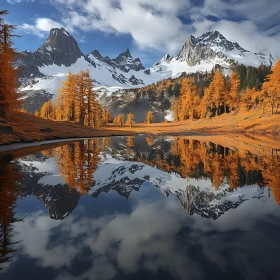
x,y
139,207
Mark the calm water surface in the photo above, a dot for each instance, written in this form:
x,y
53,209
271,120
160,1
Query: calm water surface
x,y
139,208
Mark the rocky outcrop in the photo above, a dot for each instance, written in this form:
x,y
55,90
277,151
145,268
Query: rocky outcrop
x,y
60,49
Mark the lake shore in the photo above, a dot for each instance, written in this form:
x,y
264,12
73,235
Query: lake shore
x,y
29,129
254,122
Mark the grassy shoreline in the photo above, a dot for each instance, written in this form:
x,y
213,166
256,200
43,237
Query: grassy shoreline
x,y
253,122
28,128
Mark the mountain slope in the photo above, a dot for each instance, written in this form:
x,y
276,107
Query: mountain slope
x,y
204,52
45,69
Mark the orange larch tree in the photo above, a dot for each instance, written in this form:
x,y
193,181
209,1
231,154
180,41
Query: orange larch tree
x,y
189,99
130,119
149,117
66,98
271,88
219,92
8,74
233,95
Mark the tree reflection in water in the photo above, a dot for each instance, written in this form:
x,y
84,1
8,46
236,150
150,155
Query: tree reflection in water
x,y
10,191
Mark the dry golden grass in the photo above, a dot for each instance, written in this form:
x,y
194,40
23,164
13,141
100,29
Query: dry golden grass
x,y
252,122
27,129
255,122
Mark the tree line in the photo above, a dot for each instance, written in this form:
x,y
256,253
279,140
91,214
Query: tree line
x,y
120,119
224,95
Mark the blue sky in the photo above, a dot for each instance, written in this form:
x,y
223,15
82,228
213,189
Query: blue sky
x,y
149,28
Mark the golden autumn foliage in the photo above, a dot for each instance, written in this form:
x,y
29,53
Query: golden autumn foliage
x,y
237,168
130,119
130,142
8,74
120,119
106,116
77,163
150,117
232,100
9,192
271,89
248,98
222,164
150,140
105,142
189,99
224,95
76,102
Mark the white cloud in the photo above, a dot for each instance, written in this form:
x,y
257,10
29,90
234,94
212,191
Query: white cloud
x,y
41,27
152,24
157,24
31,29
45,24
254,24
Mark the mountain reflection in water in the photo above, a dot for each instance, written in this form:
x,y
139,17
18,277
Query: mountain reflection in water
x,y
97,209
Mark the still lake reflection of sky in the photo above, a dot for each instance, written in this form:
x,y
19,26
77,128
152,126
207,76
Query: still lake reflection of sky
x,y
146,235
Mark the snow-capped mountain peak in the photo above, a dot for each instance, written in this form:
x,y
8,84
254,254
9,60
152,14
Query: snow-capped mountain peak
x,y
125,54
44,69
60,48
126,62
213,47
215,38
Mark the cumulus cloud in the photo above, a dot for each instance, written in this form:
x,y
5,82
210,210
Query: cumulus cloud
x,y
40,27
152,24
254,24
165,25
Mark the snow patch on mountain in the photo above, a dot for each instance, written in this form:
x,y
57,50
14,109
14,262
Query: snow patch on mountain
x,y
49,65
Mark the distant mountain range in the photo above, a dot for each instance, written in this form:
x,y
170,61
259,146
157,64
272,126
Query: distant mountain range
x,y
44,69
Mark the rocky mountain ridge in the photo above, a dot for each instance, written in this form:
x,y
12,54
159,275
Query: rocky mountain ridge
x,y
45,69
